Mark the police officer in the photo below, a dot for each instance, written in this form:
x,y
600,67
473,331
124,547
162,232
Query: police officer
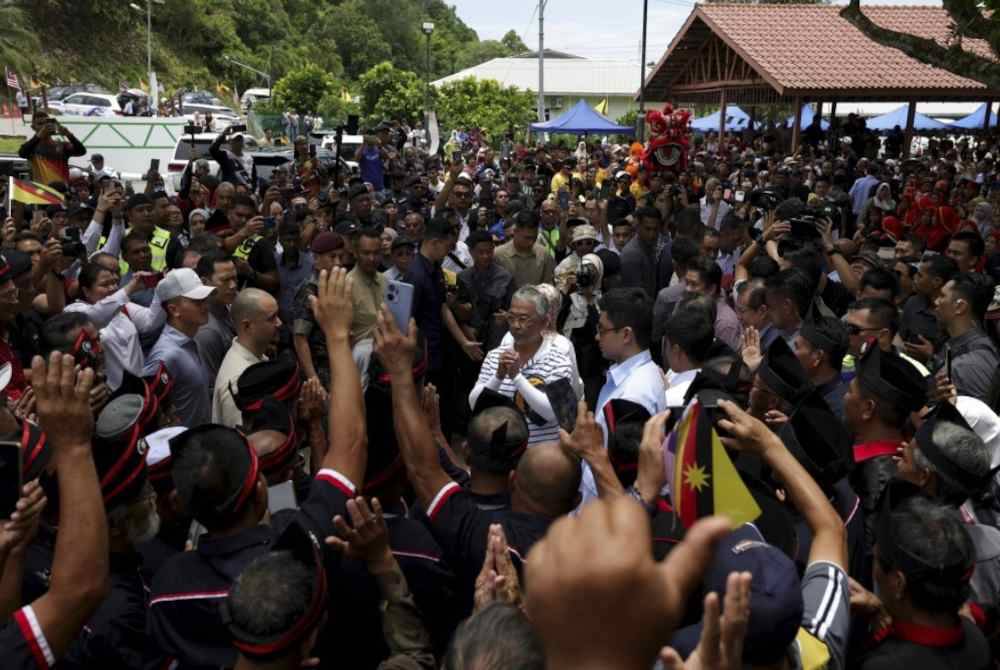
x,y
139,211
251,247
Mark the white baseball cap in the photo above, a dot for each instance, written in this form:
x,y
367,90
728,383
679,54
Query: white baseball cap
x,y
182,283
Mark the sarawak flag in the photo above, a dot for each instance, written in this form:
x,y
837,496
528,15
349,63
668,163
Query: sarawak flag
x,y
703,480
33,193
602,107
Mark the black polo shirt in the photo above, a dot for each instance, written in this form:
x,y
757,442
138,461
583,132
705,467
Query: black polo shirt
x,y
461,527
115,636
429,295
184,621
23,645
927,648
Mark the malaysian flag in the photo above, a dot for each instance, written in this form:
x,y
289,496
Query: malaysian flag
x,y
11,79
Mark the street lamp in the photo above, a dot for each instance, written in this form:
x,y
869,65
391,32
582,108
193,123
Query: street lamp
x,y
428,28
265,75
154,93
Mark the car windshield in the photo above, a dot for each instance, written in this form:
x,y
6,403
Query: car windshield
x,y
185,152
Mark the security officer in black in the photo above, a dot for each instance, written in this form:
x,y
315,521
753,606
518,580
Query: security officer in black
x,y
115,636
218,479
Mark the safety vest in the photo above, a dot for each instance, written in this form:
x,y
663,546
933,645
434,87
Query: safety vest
x,y
243,251
157,247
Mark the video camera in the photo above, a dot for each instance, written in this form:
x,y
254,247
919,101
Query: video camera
x,y
764,198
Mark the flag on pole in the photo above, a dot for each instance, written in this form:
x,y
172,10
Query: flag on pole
x,y
33,193
11,77
602,107
704,481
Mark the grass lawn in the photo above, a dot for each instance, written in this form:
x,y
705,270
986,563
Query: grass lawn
x,y
10,145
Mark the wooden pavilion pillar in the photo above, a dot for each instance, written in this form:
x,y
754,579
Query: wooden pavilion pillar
x,y
722,116
987,115
911,111
796,127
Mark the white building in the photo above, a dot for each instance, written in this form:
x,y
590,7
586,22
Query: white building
x,y
567,79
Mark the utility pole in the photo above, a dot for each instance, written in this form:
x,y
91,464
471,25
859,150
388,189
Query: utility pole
x,y
642,77
541,60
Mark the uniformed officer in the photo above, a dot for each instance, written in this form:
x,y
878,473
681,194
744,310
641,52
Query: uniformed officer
x,y
251,246
218,481
41,632
924,560
139,211
878,403
951,464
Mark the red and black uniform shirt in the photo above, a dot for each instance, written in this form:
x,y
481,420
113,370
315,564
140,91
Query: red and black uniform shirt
x,y
185,623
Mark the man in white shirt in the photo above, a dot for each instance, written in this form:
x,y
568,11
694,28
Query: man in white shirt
x,y
255,315
623,333
687,339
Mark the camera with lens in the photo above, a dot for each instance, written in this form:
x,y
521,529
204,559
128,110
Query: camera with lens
x,y
72,247
586,276
826,210
764,198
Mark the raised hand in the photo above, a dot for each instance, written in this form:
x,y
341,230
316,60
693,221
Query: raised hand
x,y
595,563
333,305
367,538
752,354
312,399
62,399
722,634
650,476
587,440
497,580
748,434
18,531
395,349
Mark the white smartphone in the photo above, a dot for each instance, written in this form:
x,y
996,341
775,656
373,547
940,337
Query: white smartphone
x,y
399,299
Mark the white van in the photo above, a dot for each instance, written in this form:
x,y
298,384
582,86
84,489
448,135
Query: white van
x,y
252,96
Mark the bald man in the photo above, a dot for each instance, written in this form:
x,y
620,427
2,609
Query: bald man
x,y
255,316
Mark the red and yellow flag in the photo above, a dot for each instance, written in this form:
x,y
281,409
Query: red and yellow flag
x,y
33,193
704,480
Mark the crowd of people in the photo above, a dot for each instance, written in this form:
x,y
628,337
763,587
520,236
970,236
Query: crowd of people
x,y
427,416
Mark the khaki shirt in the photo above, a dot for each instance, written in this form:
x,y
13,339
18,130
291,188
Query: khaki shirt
x,y
369,294
533,267
236,361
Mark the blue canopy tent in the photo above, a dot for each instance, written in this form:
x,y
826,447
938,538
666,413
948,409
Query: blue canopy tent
x,y
807,118
736,119
897,117
581,119
975,120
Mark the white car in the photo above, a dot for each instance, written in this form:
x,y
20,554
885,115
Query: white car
x,y
88,104
188,149
252,96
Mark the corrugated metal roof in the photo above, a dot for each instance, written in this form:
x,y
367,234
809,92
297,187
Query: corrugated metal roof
x,y
581,76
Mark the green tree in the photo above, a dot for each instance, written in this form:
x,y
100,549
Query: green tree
x,y
390,93
357,36
303,89
514,43
18,41
970,18
486,104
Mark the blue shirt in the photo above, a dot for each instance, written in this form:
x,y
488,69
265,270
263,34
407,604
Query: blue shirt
x,y
371,168
429,294
191,395
292,278
636,379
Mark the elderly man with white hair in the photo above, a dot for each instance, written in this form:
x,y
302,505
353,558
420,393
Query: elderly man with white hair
x,y
530,371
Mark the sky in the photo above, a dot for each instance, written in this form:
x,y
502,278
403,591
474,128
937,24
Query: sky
x,y
590,28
